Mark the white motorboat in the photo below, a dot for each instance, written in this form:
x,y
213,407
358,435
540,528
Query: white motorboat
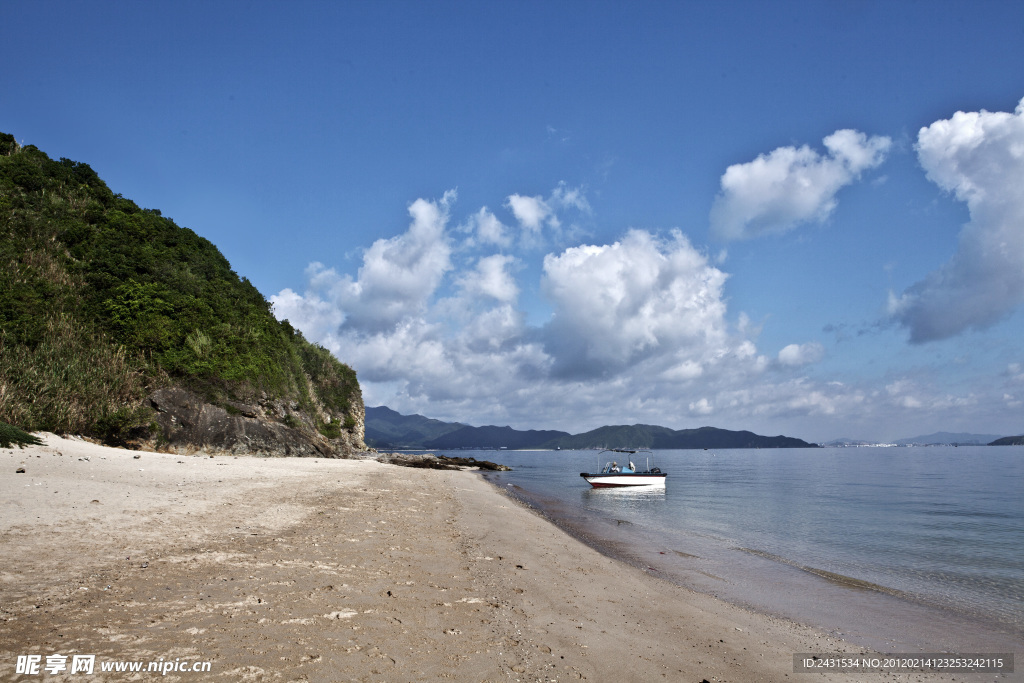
x,y
614,475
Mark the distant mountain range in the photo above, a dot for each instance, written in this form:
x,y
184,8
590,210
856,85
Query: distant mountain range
x,y
386,428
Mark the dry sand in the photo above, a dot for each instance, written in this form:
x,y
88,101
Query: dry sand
x,y
341,570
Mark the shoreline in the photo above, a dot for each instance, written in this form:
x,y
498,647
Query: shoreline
x,y
865,615
311,569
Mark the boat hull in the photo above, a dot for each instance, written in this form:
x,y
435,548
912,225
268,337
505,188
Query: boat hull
x,y
602,481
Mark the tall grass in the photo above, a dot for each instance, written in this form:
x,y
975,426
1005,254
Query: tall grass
x,y
71,382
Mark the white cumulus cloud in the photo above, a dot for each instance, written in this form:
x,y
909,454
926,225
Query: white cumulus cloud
x,y
789,186
314,316
536,214
801,354
640,297
488,229
979,157
701,407
398,278
531,212
491,278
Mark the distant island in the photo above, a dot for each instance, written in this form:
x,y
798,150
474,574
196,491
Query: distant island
x,y
949,439
936,439
386,428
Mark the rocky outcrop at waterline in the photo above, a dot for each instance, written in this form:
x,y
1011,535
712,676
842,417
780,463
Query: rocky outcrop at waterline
x,y
438,462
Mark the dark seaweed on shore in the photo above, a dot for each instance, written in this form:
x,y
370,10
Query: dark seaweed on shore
x,y
441,462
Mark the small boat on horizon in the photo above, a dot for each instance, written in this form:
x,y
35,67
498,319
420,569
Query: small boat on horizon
x,y
614,475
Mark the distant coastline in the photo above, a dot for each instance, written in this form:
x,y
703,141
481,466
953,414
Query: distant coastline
x,y
386,428
389,429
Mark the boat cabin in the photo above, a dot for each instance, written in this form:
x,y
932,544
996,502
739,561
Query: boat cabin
x,y
613,467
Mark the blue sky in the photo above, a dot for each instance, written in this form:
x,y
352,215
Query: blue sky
x,y
801,217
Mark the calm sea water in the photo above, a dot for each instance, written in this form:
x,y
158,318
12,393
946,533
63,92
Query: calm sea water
x,y
843,538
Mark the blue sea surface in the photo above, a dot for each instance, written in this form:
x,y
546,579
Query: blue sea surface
x,y
829,536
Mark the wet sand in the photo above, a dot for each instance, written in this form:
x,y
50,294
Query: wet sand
x,y
342,570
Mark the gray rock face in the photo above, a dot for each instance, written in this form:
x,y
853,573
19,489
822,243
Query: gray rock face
x,y
188,424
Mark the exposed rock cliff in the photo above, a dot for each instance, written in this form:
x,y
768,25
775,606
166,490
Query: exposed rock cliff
x,y
185,423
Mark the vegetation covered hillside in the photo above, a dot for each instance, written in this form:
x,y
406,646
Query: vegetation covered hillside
x,y
386,428
104,304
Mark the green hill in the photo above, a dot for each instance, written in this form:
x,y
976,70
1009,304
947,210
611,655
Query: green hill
x,y
652,436
113,320
386,428
615,436
491,436
393,430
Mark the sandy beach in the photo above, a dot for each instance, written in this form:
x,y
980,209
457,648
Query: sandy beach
x,y
340,570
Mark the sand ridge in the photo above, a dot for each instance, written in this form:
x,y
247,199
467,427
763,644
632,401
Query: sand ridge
x,y
304,569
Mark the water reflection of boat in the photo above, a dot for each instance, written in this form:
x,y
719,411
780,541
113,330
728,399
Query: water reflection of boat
x,y
614,475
